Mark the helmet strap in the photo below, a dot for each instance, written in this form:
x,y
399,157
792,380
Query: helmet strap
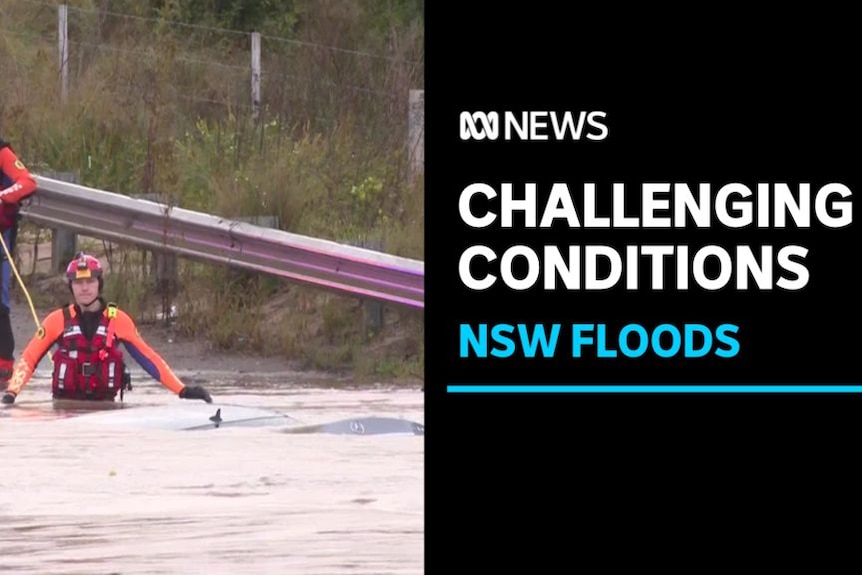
x,y
88,304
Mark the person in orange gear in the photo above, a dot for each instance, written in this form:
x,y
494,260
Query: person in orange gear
x,y
87,362
16,184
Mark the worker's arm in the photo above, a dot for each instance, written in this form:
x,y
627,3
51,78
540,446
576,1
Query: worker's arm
x,y
50,330
23,183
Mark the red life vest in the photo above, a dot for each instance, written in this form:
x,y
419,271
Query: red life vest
x,y
87,369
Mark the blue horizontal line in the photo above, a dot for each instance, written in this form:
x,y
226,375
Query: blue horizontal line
x,y
654,388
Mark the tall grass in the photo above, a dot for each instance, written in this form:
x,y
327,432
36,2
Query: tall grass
x,y
158,108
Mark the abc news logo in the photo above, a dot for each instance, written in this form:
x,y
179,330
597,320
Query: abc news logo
x,y
533,126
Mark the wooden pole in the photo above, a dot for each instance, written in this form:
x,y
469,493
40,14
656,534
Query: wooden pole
x,y
416,133
255,75
63,47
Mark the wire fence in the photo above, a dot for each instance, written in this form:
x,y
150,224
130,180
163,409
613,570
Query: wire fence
x,y
201,71
327,142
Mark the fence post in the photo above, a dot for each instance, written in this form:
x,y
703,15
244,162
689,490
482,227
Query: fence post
x,y
63,47
416,133
255,75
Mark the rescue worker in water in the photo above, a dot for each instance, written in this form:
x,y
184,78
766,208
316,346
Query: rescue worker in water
x,y
87,362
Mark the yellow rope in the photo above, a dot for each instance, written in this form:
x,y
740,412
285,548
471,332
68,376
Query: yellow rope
x,y
20,281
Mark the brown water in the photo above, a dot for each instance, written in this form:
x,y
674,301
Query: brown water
x,y
95,499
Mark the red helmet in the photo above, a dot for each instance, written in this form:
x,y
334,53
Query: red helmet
x,y
84,266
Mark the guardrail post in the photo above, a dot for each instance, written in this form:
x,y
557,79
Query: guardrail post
x,y
373,308
163,264
64,243
164,267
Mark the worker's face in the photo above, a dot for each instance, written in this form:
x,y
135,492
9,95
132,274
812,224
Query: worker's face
x,y
85,290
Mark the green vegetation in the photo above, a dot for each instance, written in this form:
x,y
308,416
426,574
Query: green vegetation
x,y
159,103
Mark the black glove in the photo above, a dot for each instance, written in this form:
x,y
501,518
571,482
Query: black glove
x,y
8,398
192,392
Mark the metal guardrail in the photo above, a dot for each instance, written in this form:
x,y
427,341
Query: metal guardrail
x,y
106,215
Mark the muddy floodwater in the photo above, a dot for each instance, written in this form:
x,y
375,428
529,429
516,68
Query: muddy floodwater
x,y
85,498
